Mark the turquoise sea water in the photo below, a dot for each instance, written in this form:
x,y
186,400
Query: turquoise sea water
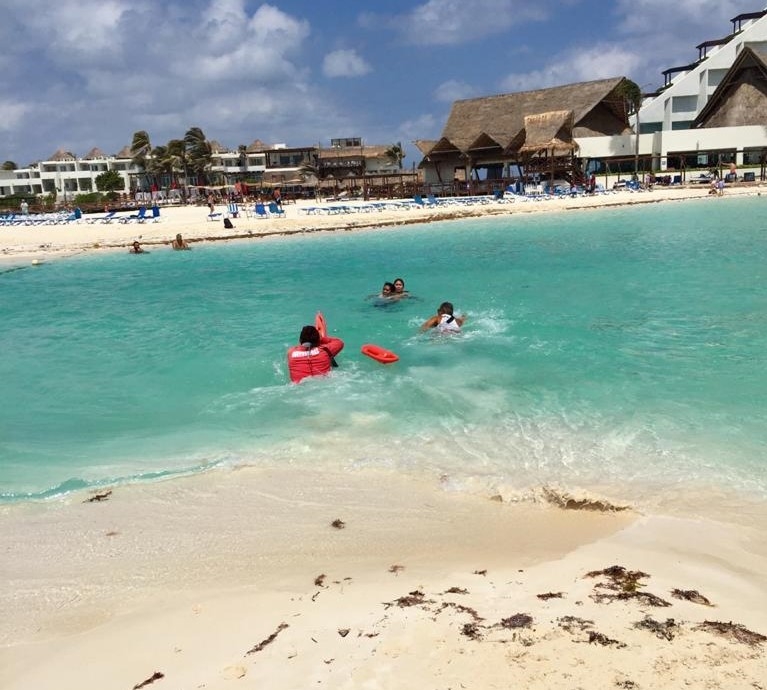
x,y
611,353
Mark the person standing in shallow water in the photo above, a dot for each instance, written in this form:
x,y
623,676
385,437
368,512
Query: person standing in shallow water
x,y
314,355
179,243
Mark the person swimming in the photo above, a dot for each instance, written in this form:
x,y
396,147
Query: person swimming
x,y
444,321
399,289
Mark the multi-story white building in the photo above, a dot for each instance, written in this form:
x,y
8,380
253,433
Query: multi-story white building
x,y
708,113
65,175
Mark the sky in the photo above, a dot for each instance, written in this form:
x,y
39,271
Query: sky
x,y
78,74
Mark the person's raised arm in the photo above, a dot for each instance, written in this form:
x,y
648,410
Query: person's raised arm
x,y
334,345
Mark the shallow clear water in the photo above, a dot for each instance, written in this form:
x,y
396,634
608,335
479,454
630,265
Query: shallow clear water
x,y
620,353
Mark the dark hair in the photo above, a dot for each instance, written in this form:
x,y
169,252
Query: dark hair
x,y
401,280
309,334
389,285
445,308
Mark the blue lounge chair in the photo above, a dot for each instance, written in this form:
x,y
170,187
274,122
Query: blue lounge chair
x,y
260,211
136,217
234,210
275,210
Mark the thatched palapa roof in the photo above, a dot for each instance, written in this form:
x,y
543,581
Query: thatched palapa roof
x,y
62,155
498,122
552,131
94,153
741,97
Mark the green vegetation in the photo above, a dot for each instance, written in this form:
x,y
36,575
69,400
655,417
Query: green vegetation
x,y
110,181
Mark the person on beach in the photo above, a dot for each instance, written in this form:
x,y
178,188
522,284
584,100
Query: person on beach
x,y
179,243
314,355
444,320
136,248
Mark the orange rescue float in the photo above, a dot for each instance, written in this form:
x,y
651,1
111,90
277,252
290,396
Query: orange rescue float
x,y
320,325
378,353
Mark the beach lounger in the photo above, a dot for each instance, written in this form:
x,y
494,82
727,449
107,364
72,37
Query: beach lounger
x,y
214,216
234,210
107,218
275,210
260,211
136,217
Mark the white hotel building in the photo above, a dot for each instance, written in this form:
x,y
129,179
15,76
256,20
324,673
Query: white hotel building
x,y
710,112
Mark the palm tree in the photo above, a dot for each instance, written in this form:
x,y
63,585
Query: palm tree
x,y
395,154
199,155
140,148
176,162
9,165
631,96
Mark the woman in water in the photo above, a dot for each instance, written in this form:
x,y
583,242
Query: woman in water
x,y
399,289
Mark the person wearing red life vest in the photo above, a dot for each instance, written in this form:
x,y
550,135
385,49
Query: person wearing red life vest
x,y
314,356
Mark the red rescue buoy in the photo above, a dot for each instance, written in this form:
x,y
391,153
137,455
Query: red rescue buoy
x,y
378,353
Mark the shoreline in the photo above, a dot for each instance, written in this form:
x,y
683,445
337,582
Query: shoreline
x,y
46,242
241,578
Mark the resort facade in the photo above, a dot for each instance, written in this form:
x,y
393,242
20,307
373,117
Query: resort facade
x,y
709,114
346,162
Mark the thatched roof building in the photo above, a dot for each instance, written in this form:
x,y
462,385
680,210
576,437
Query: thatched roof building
x,y
537,129
741,97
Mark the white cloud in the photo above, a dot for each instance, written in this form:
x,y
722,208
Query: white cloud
x,y
598,62
344,63
11,114
453,22
427,126
453,90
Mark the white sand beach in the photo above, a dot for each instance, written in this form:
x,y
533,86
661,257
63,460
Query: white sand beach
x,y
19,242
251,578
240,579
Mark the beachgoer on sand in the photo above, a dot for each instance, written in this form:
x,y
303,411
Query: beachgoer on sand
x,y
444,320
314,355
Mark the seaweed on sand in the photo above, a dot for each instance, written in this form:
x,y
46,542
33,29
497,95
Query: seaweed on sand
x,y
625,583
599,638
664,631
518,620
471,630
572,623
414,598
97,498
157,675
733,631
567,502
690,595
268,640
